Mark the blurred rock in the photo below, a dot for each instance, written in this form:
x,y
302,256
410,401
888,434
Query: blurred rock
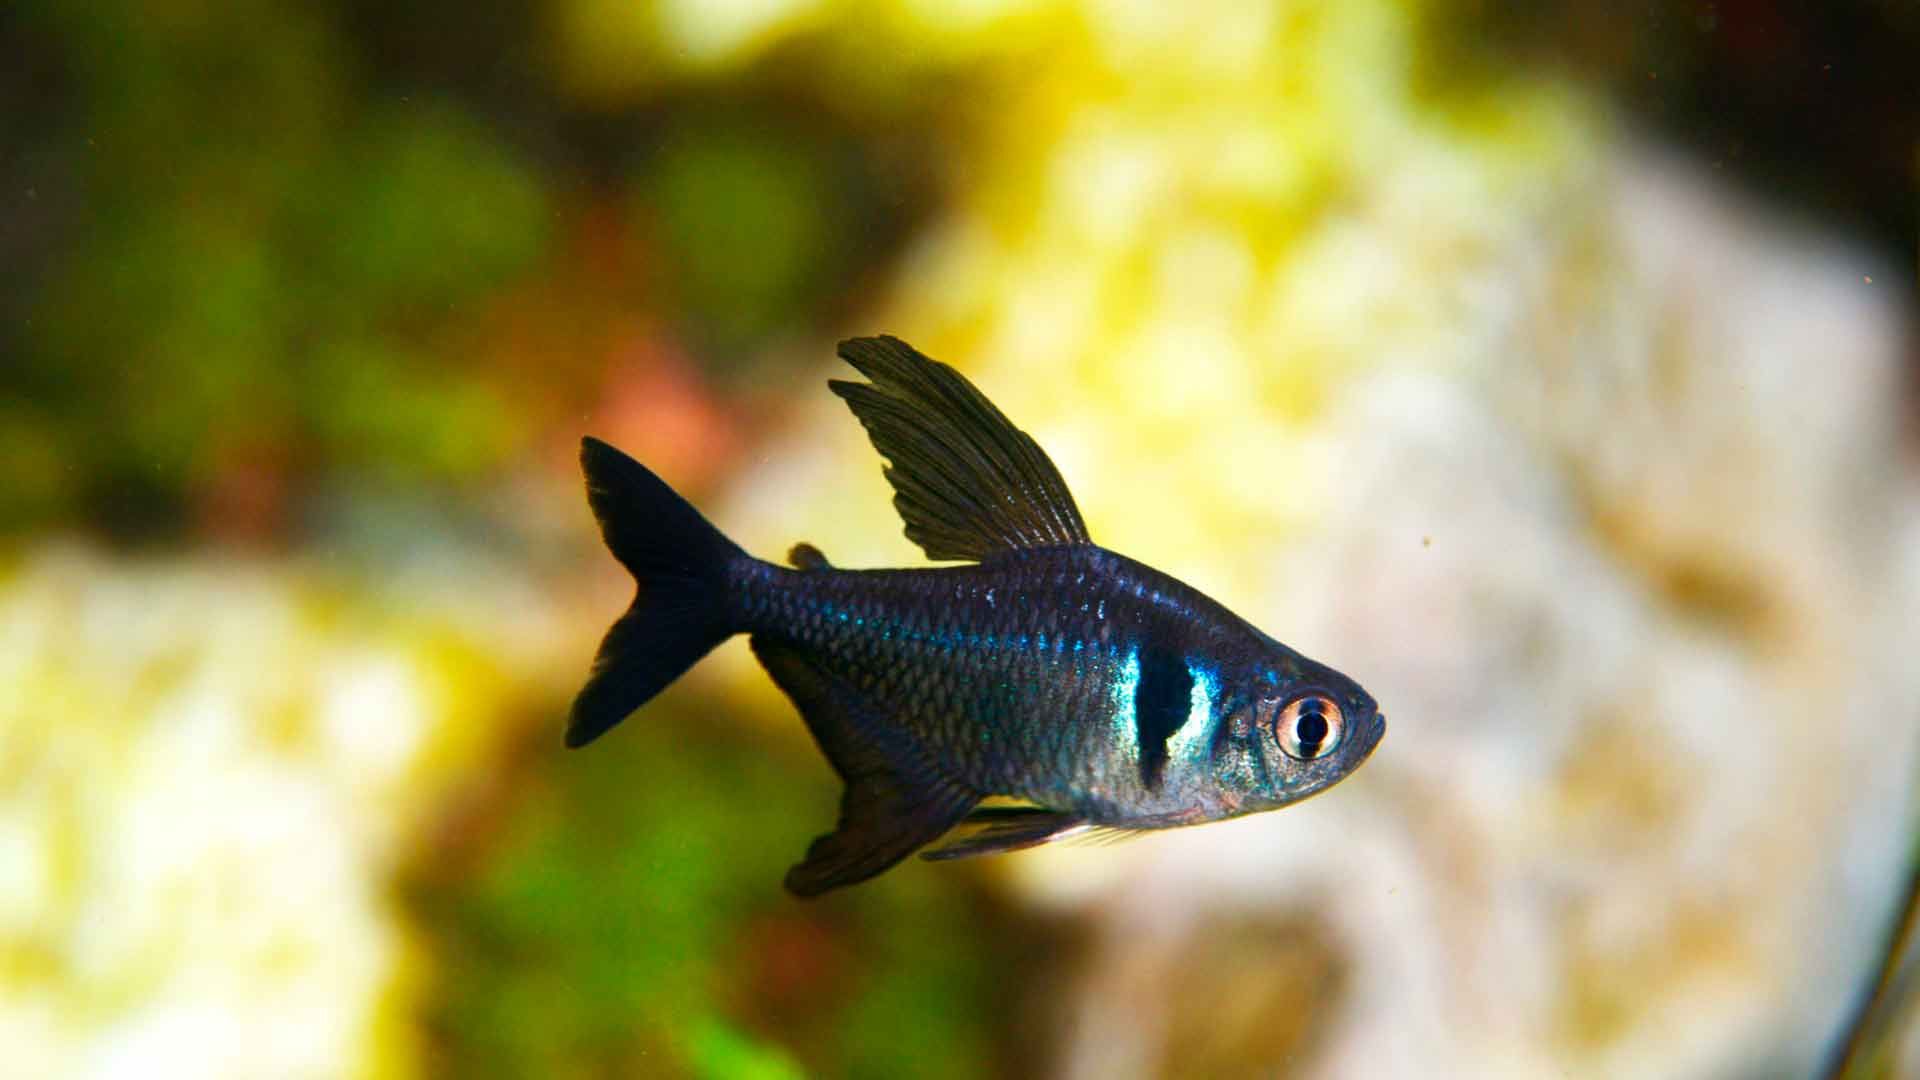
x,y
209,770
1589,469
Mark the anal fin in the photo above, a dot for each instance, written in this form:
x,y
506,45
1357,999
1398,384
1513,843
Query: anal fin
x,y
1009,828
895,800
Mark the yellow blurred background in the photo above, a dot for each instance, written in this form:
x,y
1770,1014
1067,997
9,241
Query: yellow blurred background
x,y
1567,408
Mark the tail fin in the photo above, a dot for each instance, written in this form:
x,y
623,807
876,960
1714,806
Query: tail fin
x,y
678,614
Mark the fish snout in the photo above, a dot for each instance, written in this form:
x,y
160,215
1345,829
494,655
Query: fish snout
x,y
1376,730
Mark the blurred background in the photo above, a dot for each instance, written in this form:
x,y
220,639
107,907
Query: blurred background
x,y
1548,367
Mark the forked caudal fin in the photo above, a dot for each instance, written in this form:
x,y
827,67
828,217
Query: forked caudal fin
x,y
679,562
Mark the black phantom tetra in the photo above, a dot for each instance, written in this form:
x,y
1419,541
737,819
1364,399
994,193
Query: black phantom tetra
x,y
1098,690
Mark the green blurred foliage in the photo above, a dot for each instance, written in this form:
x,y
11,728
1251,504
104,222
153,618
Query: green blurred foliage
x,y
297,238
626,919
266,253
740,214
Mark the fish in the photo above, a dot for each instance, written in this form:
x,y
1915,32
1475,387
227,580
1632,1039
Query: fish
x,y
1044,687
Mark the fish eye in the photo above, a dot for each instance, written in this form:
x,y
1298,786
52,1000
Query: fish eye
x,y
1309,726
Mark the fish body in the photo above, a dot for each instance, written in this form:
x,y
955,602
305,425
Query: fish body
x,y
1100,692
1070,676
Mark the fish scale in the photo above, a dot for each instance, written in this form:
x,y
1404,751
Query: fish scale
x,y
1095,689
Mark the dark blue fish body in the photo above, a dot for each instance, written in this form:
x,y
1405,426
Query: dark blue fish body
x,y
1101,692
1070,676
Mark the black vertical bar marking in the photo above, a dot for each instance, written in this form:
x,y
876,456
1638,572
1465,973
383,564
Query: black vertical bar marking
x,y
1160,705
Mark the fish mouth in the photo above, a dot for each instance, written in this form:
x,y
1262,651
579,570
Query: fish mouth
x,y
1375,732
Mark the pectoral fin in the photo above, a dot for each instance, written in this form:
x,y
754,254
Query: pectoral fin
x,y
895,800
1009,828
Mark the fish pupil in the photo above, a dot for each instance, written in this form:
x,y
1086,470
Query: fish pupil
x,y
1311,729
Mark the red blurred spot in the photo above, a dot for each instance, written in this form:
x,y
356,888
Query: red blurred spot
x,y
656,406
795,967
245,495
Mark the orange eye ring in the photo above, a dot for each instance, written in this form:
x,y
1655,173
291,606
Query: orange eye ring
x,y
1309,726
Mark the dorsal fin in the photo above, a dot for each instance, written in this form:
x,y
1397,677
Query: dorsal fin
x,y
967,482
